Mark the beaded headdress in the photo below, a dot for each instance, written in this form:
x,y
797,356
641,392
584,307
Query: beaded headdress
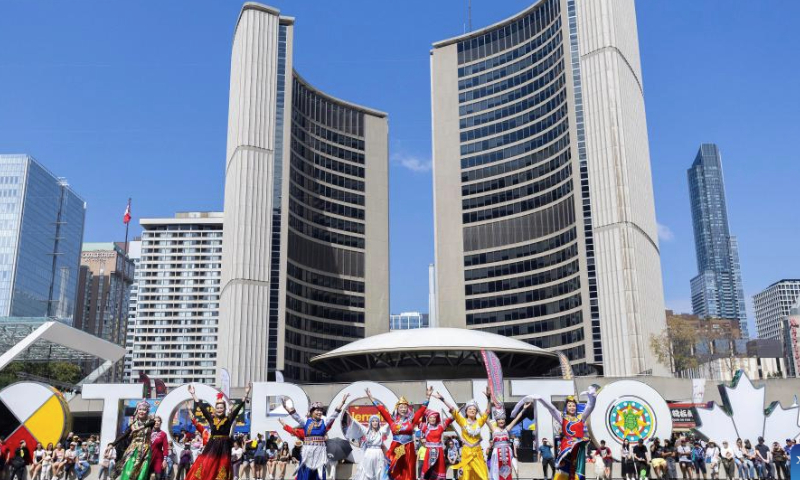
x,y
315,406
144,405
432,413
498,414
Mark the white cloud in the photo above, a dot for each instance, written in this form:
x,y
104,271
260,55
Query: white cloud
x,y
664,233
412,162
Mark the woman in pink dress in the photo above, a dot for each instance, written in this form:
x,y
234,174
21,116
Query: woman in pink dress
x,y
159,448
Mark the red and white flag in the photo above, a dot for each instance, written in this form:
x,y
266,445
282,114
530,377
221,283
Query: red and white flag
x,y
126,219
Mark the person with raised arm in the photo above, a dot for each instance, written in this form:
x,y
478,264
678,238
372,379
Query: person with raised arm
x,y
314,454
501,465
571,461
473,461
135,463
215,461
402,455
370,440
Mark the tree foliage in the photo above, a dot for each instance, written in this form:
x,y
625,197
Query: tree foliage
x,y
60,371
675,346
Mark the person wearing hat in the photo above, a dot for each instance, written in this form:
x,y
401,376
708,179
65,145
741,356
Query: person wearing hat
x,y
500,464
370,440
434,466
728,459
135,462
314,453
473,461
402,456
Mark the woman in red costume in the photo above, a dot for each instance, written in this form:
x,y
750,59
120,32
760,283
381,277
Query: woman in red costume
x,y
215,461
402,455
434,465
159,449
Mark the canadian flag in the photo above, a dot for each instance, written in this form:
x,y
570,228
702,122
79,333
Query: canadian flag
x,y
126,219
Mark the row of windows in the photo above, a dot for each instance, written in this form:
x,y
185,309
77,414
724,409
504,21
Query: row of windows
x,y
526,281
537,224
548,57
521,177
530,204
537,295
324,220
522,266
522,313
522,51
326,258
518,121
306,292
508,35
318,311
324,205
519,163
517,135
326,112
325,235
311,156
558,339
323,280
519,192
313,342
324,190
327,148
324,176
513,95
523,251
519,148
315,327
540,326
305,123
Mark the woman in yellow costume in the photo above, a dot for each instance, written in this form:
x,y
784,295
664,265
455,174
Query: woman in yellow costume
x,y
473,461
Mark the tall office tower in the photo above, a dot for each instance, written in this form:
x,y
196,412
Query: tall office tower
x,y
41,232
773,304
135,254
432,303
305,267
545,222
717,289
175,334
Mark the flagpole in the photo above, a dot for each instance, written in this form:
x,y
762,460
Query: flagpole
x,y
127,224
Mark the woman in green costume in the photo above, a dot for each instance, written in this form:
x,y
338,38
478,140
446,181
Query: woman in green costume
x,y
135,462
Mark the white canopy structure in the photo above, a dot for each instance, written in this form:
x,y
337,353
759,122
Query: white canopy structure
x,y
32,340
426,352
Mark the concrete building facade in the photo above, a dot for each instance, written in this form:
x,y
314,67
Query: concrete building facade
x,y
773,304
717,289
175,331
306,255
135,254
544,214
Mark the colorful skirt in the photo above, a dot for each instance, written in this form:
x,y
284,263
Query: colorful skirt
x,y
136,468
571,462
403,459
215,461
472,463
433,466
501,467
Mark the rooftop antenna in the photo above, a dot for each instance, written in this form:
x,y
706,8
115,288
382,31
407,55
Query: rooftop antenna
x,y
469,15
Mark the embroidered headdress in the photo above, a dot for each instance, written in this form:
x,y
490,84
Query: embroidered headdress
x,y
315,406
143,405
432,413
498,414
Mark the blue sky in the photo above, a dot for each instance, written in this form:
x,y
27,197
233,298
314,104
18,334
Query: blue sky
x,y
130,99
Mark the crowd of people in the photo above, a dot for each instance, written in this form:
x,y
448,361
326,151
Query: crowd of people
x,y
421,448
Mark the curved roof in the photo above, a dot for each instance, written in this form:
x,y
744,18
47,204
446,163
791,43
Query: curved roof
x,y
344,103
444,353
494,26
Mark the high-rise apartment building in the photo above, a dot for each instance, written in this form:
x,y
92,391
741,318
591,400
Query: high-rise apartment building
x,y
135,254
773,304
544,214
717,289
305,266
175,331
41,232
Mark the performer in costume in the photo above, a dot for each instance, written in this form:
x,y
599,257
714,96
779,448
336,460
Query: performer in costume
x,y
501,464
434,465
402,455
314,454
215,461
135,462
473,462
571,460
159,449
370,439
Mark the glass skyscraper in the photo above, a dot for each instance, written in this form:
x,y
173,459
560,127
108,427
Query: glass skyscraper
x,y
41,233
717,289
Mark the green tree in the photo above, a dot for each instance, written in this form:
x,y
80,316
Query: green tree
x,y
675,346
60,371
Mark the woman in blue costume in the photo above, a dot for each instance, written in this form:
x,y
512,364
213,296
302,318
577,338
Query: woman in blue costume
x,y
571,461
314,455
